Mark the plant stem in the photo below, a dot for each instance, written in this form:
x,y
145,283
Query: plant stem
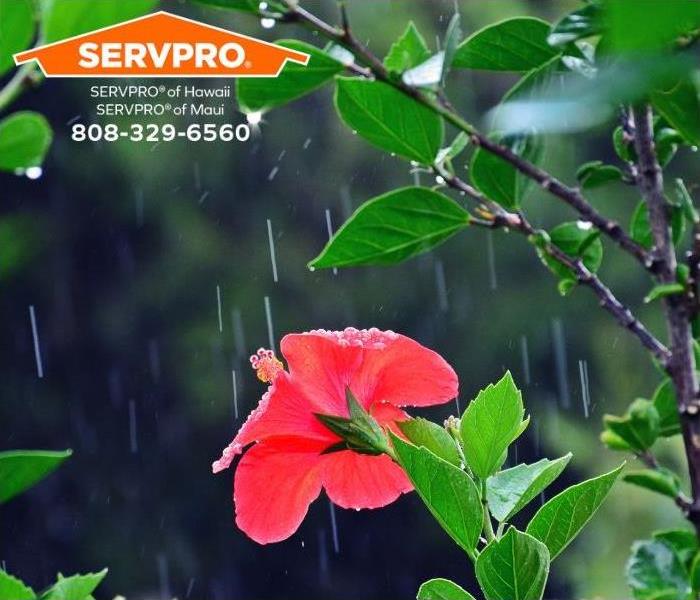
x,y
681,365
26,76
488,526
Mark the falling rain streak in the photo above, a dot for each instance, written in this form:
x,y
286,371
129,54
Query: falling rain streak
x,y
235,394
525,354
560,362
273,256
270,330
493,281
334,528
329,226
218,305
133,441
441,286
238,332
585,388
37,349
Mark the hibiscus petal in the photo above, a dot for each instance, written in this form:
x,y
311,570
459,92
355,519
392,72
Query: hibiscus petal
x,y
274,484
387,415
283,410
355,480
404,373
322,365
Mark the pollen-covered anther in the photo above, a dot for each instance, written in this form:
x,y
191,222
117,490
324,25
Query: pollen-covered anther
x,y
266,365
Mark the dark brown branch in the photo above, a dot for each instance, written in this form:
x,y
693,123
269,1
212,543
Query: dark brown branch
x,y
608,301
682,364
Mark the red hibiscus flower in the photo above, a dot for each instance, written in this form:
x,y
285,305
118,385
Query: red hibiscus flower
x,y
295,455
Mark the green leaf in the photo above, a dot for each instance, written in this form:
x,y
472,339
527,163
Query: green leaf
x,y
448,492
498,179
663,290
421,432
489,425
665,403
389,119
16,30
686,201
511,490
624,147
595,173
561,518
251,6
683,541
517,44
582,23
634,26
679,105
614,441
639,426
655,571
513,568
76,587
661,480
25,138
442,589
12,588
66,18
295,80
408,51
393,227
695,574
452,151
577,241
21,469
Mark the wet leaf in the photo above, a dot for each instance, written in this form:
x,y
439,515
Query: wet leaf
x,y
517,44
661,480
21,469
442,589
25,138
513,568
75,587
639,426
680,106
654,571
389,119
16,30
12,588
595,173
421,432
408,51
665,403
393,227
448,492
562,518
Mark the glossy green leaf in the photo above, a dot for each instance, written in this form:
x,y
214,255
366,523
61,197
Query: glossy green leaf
x,y
683,541
561,518
634,26
75,587
448,492
12,588
295,80
680,106
663,290
639,426
498,179
661,480
408,51
577,241
509,491
489,424
25,138
66,18
389,119
393,227
665,403
421,432
513,568
442,589
17,25
21,469
595,173
517,44
655,571
452,151
614,441
579,24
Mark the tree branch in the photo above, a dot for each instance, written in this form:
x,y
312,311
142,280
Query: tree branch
x,y
682,364
571,196
608,301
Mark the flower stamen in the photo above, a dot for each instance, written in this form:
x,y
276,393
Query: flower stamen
x,y
266,365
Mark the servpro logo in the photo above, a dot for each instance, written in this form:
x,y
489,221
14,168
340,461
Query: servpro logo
x,y
161,45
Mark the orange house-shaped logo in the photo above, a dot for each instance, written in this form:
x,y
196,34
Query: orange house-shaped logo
x,y
161,45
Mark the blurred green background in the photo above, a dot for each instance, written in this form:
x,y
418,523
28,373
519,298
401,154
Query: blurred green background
x,y
120,248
